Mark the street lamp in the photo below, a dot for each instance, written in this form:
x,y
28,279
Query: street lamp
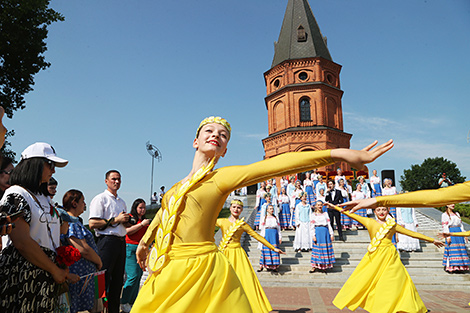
x,y
155,154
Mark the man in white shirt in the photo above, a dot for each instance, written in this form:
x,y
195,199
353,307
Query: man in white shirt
x,y
108,214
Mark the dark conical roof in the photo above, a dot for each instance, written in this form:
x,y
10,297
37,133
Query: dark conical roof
x,y
291,44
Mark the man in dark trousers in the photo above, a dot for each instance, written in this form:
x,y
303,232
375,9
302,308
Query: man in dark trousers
x,y
335,197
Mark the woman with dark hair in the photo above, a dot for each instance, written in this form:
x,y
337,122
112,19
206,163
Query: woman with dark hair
x,y
138,227
6,168
82,239
29,275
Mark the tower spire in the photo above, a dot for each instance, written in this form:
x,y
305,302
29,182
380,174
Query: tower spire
x,y
300,36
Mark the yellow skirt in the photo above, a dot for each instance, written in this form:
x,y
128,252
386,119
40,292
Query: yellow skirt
x,y
240,262
198,278
380,283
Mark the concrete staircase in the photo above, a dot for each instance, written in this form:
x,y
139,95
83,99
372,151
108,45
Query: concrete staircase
x,y
425,266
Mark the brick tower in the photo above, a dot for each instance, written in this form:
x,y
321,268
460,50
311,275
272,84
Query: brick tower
x,y
303,89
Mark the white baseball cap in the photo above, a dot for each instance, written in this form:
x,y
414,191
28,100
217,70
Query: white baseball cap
x,y
43,150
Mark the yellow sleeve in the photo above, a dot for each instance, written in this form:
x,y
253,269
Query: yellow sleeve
x,y
149,235
234,177
461,234
258,237
428,198
361,219
413,234
217,223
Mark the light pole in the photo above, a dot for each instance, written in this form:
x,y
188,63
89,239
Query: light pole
x,y
155,154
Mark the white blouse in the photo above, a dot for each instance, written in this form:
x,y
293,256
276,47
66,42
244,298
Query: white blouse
x,y
452,221
320,219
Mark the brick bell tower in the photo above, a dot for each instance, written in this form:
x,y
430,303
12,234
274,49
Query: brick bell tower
x,y
303,89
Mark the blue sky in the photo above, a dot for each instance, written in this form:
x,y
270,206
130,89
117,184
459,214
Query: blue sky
x,y
125,72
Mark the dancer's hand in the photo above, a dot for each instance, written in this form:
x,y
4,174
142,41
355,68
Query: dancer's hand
x,y
141,254
355,205
332,238
358,158
279,251
448,239
314,239
438,243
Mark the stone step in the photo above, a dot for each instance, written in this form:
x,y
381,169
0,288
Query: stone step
x,y
352,262
341,276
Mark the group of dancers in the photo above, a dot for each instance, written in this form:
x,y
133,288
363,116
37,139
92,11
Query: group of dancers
x,y
190,274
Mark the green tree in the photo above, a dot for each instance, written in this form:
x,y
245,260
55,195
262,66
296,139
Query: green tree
x,y
23,30
426,175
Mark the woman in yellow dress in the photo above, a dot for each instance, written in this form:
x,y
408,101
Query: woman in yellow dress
x,y
188,273
232,229
380,283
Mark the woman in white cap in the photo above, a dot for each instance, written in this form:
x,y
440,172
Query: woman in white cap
x,y
29,275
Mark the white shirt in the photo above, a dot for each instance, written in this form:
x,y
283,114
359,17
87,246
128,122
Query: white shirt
x,y
106,205
40,218
358,195
451,221
320,219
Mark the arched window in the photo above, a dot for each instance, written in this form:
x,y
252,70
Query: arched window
x,y
305,110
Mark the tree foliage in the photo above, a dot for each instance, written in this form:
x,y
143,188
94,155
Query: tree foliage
x,y
426,175
23,31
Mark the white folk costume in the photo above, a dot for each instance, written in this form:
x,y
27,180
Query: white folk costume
x,y
406,217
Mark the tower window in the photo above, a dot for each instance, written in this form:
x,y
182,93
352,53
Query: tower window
x,y
276,83
305,110
301,34
303,75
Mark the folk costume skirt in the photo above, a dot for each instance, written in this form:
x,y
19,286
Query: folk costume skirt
x,y
455,253
380,284
258,212
310,195
253,290
323,255
284,215
198,278
270,259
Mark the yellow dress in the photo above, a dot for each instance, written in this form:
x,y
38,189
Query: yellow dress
x,y
242,266
197,277
380,283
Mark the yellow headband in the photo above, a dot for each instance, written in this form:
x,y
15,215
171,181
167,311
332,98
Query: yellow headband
x,y
214,119
239,202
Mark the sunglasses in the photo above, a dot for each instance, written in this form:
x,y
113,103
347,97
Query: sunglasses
x,y
51,164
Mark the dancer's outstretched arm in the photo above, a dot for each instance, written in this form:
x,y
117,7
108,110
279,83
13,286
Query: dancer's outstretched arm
x,y
261,239
416,235
361,219
422,198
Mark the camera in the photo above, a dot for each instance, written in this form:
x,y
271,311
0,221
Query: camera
x,y
132,220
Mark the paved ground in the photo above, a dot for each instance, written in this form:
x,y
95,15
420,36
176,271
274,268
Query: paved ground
x,y
319,300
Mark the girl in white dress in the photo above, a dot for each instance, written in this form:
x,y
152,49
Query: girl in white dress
x,y
303,211
406,218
